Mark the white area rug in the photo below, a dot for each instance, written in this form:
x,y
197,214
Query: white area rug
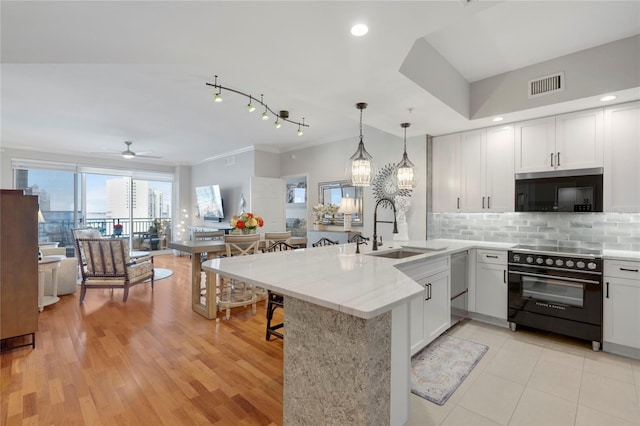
x,y
438,369
161,273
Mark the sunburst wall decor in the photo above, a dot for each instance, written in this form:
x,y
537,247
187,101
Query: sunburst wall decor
x,y
385,186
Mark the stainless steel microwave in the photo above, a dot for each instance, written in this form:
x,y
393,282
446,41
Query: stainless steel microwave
x,y
572,191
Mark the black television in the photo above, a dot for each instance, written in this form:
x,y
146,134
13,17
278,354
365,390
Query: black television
x,y
209,203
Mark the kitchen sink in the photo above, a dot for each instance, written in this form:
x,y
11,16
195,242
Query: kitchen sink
x,y
397,253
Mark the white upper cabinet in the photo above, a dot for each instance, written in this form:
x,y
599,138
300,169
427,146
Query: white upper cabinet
x,y
473,171
565,142
446,179
470,168
535,145
622,158
498,170
579,140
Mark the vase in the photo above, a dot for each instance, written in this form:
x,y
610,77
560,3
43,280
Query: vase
x,y
247,231
117,231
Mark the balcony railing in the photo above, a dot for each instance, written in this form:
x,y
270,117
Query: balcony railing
x,y
144,233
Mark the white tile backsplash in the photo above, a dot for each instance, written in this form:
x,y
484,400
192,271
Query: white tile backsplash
x,y
619,231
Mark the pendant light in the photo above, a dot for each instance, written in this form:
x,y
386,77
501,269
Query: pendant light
x,y
405,170
360,168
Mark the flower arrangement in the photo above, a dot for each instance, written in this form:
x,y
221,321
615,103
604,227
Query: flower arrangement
x,y
318,211
332,209
117,226
246,221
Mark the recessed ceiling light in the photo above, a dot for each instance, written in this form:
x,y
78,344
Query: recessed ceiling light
x,y
359,30
607,98
498,119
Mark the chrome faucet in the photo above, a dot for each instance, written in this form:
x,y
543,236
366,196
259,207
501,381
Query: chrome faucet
x,y
375,221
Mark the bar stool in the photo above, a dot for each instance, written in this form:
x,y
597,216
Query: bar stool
x,y
275,300
325,242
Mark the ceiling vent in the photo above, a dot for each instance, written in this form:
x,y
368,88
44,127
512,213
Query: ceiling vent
x,y
546,85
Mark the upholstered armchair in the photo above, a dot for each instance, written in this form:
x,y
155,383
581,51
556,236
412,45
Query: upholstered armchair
x,y
105,263
67,272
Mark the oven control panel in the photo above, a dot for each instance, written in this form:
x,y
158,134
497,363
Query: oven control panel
x,y
556,261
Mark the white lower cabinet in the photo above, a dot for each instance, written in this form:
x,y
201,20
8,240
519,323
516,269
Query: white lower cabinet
x,y
430,312
621,305
491,283
437,306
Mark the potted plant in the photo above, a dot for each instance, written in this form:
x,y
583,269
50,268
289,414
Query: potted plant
x,y
117,229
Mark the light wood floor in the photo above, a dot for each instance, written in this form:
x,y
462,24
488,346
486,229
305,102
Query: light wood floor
x,y
149,361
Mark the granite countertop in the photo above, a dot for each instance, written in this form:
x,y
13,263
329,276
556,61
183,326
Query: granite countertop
x,y
335,277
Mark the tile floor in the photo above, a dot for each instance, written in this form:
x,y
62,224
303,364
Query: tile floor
x,y
535,378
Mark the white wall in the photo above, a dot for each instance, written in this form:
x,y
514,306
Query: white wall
x,y
232,173
327,162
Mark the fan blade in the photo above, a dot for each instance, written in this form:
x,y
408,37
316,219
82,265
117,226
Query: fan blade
x,y
147,156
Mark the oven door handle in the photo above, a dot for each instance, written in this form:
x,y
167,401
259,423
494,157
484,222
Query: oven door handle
x,y
555,277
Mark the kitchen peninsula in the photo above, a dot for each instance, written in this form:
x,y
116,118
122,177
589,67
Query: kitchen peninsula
x,y
347,350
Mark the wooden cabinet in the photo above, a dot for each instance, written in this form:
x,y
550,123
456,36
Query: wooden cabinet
x,y
621,307
19,264
430,312
491,288
622,158
565,142
473,171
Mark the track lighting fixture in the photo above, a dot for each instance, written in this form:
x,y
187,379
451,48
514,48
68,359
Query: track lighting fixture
x,y
405,169
218,96
283,115
360,168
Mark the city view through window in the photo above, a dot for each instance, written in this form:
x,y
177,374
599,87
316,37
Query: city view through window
x,y
116,206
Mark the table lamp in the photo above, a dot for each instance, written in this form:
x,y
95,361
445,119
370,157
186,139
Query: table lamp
x,y
347,207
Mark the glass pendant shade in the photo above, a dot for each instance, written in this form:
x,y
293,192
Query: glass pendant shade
x,y
360,168
217,97
405,169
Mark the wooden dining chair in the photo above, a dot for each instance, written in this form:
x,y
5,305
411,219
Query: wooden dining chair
x,y
324,242
272,237
275,300
234,293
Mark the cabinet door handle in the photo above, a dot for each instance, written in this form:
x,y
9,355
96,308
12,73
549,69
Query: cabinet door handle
x,y
458,203
558,160
607,289
504,275
488,202
492,256
483,202
628,270
552,159
428,288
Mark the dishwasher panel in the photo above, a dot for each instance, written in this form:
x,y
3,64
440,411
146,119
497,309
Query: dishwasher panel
x,y
459,287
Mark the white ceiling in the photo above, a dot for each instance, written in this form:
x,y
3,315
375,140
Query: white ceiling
x,y
85,76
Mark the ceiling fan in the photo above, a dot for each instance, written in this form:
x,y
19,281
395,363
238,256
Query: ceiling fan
x,y
129,154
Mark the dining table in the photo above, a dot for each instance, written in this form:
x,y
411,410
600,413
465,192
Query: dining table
x,y
203,294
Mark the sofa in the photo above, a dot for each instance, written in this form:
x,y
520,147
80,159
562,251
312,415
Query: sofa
x,y
67,272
